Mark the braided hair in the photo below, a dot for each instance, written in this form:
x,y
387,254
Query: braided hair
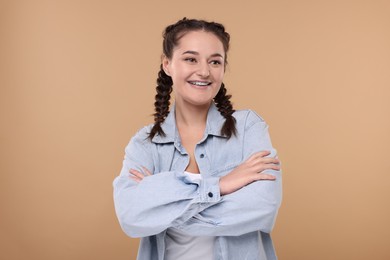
x,y
172,34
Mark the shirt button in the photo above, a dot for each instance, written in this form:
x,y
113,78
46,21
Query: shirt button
x,y
202,155
210,194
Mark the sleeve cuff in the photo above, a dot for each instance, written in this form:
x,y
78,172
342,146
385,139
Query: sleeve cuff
x,y
209,190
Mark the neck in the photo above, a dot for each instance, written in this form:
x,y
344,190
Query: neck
x,y
194,116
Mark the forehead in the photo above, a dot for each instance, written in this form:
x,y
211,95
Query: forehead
x,y
200,41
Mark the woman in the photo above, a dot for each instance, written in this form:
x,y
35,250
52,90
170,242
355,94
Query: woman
x,y
202,182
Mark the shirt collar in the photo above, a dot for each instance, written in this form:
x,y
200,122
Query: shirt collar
x,y
214,124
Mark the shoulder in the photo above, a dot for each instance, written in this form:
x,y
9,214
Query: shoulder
x,y
141,137
247,117
139,150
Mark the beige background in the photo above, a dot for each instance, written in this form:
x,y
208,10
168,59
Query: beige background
x,y
77,80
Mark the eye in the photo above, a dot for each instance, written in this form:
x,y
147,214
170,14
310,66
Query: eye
x,y
190,60
215,62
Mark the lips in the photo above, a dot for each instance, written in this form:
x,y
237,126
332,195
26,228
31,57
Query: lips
x,y
200,83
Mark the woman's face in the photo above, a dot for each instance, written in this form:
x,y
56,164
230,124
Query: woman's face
x,y
196,68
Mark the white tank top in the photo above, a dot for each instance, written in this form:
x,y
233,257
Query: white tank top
x,y
179,246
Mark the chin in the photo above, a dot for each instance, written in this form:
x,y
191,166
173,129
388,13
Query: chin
x,y
200,103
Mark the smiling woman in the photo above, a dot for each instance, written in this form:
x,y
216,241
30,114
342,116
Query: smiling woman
x,y
203,181
196,69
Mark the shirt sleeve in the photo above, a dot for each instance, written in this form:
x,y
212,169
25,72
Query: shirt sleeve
x,y
253,207
161,200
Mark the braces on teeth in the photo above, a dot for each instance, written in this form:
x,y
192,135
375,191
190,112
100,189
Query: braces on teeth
x,y
200,83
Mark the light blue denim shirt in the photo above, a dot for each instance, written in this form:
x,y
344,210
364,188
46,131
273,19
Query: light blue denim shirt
x,y
241,221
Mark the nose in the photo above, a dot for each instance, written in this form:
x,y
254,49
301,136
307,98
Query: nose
x,y
203,70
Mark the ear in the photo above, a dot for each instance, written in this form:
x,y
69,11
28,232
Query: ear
x,y
166,65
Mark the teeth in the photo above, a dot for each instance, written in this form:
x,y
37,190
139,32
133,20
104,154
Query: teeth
x,y
199,83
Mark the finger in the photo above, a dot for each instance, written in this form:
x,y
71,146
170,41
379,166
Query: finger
x,y
136,173
264,176
269,160
264,167
261,164
260,154
274,167
146,171
135,179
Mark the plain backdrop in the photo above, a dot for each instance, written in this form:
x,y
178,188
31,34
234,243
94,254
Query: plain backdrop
x,y
77,80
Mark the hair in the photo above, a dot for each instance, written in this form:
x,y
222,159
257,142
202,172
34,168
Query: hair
x,y
171,36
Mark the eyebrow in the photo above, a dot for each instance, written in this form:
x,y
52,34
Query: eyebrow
x,y
197,53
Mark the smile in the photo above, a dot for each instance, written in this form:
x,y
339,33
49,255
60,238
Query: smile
x,y
200,83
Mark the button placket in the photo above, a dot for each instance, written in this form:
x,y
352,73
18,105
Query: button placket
x,y
202,158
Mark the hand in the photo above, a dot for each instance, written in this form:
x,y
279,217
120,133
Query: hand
x,y
248,172
139,176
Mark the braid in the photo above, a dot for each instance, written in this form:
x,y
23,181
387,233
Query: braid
x,y
172,35
225,107
161,104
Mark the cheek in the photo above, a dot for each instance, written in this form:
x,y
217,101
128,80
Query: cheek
x,y
180,73
219,75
